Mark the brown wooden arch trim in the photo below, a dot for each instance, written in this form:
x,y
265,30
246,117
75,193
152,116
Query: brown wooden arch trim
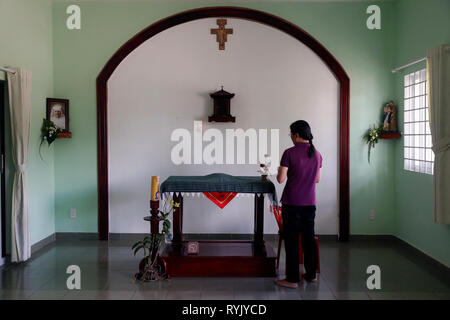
x,y
232,12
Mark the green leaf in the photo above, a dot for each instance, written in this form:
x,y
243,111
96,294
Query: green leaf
x,y
136,244
136,250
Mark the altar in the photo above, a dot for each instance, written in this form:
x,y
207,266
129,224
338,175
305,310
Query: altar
x,y
219,258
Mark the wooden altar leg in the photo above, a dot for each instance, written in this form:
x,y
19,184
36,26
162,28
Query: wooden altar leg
x,y
259,220
178,220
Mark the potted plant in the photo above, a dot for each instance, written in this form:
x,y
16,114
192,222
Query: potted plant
x,y
151,267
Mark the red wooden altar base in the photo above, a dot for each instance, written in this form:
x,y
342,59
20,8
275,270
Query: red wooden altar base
x,y
221,259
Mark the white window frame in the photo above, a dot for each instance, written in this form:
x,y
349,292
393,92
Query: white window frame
x,y
417,153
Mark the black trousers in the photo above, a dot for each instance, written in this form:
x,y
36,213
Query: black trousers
x,y
299,220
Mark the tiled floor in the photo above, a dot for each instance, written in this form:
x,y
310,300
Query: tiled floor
x,y
107,271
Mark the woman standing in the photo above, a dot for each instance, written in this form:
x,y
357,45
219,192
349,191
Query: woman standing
x,y
301,165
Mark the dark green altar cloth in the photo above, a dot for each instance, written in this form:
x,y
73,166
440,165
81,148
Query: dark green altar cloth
x,y
220,182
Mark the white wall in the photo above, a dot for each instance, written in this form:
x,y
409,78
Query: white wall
x,y
165,84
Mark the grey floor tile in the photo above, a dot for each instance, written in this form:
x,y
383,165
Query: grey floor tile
x,y
81,295
15,294
319,286
183,295
352,295
400,295
250,295
217,295
122,282
150,295
188,284
252,284
318,295
108,273
87,283
16,281
114,295
218,284
98,295
48,295
442,296
153,285
284,294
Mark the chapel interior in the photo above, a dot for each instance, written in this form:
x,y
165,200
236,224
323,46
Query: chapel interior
x,y
140,143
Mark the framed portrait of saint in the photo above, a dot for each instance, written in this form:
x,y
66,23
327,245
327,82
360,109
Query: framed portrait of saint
x,y
58,113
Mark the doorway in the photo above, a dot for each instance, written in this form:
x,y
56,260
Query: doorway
x,y
230,12
288,74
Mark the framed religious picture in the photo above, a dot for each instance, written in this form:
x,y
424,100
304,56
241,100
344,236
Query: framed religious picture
x,y
58,113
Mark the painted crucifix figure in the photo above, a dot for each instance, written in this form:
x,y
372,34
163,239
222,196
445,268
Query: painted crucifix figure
x,y
221,33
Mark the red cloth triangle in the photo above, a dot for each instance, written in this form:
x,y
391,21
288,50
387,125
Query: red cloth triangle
x,y
221,199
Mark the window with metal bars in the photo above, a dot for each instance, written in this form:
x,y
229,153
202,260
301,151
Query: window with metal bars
x,y
418,156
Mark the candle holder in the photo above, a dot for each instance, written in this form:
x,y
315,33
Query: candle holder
x,y
155,218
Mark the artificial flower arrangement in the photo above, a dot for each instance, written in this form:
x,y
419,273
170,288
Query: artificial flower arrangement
x,y
49,133
371,138
264,168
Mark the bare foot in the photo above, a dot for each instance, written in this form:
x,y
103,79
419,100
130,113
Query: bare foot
x,y
309,279
286,284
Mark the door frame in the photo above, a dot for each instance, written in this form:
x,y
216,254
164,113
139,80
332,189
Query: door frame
x,y
3,167
231,12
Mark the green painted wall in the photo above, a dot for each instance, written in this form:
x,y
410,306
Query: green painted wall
x,y
65,64
26,41
80,55
420,25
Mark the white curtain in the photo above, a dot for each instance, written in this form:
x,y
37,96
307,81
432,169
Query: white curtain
x,y
438,66
19,85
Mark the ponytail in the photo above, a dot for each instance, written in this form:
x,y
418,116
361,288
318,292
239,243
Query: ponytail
x,y
312,149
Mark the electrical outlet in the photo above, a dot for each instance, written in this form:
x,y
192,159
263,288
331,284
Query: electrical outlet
x,y
372,215
73,213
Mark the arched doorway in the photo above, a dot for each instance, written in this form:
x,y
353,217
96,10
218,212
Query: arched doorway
x,y
232,12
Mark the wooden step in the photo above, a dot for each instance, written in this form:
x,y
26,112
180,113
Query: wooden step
x,y
221,259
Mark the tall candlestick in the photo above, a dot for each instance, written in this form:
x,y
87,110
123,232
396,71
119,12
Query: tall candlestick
x,y
155,188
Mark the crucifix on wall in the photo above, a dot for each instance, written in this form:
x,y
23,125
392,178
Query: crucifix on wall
x,y
221,33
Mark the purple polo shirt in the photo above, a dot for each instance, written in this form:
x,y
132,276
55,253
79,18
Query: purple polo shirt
x,y
300,189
